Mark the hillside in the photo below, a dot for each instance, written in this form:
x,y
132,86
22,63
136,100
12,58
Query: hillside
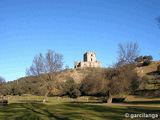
x,y
77,74
34,85
150,70
151,73
153,82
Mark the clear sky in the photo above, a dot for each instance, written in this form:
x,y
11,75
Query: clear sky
x,y
73,27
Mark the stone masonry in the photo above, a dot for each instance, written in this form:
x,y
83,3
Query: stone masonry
x,y
89,60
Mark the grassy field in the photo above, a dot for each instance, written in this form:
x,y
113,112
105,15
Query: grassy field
x,y
31,110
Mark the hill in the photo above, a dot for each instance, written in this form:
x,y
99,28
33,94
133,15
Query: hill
x,y
33,85
77,74
150,70
151,73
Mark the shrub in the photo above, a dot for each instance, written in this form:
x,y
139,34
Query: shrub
x,y
146,63
158,68
145,59
3,102
94,84
139,59
71,88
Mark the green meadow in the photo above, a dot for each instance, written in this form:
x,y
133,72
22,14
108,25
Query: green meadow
x,y
32,110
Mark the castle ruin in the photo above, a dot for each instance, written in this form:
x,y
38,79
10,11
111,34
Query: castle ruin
x,y
89,60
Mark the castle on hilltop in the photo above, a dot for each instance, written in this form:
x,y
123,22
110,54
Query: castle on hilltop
x,y
89,60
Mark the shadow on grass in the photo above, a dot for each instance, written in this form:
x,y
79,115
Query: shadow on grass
x,y
29,101
144,102
68,111
39,110
85,102
113,112
28,111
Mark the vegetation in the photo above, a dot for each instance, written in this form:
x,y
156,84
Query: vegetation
x,y
98,87
146,60
2,80
114,81
44,66
71,88
158,68
127,53
122,81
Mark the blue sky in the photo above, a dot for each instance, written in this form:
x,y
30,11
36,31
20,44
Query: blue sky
x,y
73,27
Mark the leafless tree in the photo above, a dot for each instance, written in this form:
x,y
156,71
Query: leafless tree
x,y
127,53
158,20
45,68
2,80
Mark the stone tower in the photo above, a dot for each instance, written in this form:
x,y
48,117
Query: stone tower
x,y
89,60
90,57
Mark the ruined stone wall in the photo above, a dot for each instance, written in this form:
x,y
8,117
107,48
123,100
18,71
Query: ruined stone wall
x,y
89,61
90,57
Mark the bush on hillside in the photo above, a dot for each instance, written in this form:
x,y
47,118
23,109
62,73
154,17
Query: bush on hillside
x,y
71,88
146,63
158,68
146,60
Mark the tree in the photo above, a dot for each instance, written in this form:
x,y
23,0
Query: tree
x,y
139,59
127,53
71,88
111,82
121,81
94,83
2,80
147,60
123,78
45,68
